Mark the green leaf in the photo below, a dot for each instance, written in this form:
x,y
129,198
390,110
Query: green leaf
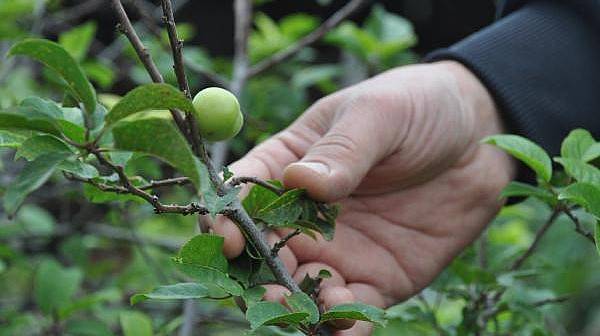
x,y
579,170
77,40
11,139
272,313
68,121
283,211
597,235
258,198
157,137
180,291
301,302
227,174
253,295
134,323
103,75
33,175
518,189
218,283
58,59
149,97
218,203
204,250
576,144
42,144
79,168
54,286
308,285
39,115
213,202
90,302
526,151
592,153
584,194
355,311
87,328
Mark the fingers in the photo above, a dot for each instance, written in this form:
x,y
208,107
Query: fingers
x,y
334,291
312,269
333,296
360,328
336,163
266,161
366,294
234,242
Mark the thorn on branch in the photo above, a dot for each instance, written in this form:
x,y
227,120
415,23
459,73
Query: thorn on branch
x,y
280,244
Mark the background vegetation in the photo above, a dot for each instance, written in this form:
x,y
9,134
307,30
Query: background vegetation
x,y
72,256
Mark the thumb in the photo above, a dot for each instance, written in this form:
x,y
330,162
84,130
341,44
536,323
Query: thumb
x,y
334,165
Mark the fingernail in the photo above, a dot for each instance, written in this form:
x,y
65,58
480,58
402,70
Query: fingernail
x,y
317,167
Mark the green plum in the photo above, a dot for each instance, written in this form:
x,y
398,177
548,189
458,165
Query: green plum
x,y
218,114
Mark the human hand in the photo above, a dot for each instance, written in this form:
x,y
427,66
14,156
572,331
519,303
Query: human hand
x,y
400,153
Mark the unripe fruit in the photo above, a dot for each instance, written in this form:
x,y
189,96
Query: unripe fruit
x,y
218,114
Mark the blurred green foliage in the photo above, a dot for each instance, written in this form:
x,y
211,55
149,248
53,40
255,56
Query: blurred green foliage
x,y
68,266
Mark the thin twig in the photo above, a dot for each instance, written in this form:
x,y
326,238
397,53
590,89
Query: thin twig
x,y
152,199
195,138
281,243
339,16
176,48
166,182
243,17
235,181
579,227
538,237
558,299
127,28
143,9
118,189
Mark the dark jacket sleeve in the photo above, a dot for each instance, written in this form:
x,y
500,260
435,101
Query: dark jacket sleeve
x,y
541,63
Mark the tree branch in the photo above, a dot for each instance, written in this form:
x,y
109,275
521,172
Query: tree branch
x,y
579,227
143,9
339,16
236,213
538,237
127,28
558,299
241,217
176,48
128,187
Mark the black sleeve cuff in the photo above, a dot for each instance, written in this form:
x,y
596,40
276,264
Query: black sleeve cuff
x,y
541,64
